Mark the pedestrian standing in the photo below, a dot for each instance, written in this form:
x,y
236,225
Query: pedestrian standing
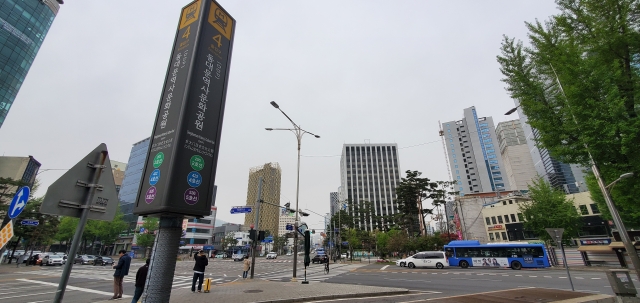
x,y
246,265
122,269
198,270
141,277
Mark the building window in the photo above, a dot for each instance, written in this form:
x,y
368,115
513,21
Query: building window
x,y
510,201
594,209
488,220
513,218
504,236
584,210
500,219
506,218
493,219
491,236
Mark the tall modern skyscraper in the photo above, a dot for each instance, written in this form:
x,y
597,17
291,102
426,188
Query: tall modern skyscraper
x,y
472,148
515,153
569,177
370,173
269,214
23,26
334,203
131,182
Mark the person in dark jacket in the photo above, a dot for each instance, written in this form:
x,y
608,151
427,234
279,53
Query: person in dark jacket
x,y
198,270
141,277
122,269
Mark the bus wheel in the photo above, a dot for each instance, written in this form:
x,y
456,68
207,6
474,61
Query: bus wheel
x,y
464,264
439,266
516,265
411,265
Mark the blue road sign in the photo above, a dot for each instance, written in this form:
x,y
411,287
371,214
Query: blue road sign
x,y
19,202
241,209
289,227
345,243
142,229
268,239
30,222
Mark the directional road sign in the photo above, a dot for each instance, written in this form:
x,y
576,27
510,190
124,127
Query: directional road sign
x,y
19,202
289,227
30,222
241,209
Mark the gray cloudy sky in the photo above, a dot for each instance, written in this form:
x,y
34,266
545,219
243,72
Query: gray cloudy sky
x,y
349,71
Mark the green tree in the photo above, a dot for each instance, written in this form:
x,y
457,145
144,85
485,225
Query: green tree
x,y
592,47
549,208
279,243
228,241
146,238
36,236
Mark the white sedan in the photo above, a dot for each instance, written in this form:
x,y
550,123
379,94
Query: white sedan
x,y
401,262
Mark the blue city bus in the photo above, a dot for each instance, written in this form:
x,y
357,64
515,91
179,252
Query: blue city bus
x,y
465,253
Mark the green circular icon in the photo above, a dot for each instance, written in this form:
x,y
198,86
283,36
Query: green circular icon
x,y
197,163
158,159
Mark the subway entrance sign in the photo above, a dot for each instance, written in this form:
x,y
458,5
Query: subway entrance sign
x,y
180,171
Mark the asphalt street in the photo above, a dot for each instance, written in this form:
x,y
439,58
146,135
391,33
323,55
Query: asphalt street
x,y
433,283
90,283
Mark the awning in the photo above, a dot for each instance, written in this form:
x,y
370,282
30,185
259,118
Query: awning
x,y
601,248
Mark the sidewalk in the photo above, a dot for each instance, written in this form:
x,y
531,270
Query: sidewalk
x,y
11,268
261,291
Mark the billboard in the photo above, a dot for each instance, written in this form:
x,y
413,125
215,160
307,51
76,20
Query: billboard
x,y
181,162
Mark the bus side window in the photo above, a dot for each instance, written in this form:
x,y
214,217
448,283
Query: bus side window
x,y
449,252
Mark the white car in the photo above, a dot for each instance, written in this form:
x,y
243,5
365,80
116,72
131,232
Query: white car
x,y
289,254
53,260
343,256
435,259
272,255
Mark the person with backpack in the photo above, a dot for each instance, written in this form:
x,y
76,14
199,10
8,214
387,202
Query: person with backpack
x,y
141,278
198,270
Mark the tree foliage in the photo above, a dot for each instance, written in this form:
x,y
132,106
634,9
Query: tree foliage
x,y
228,241
37,236
549,208
145,239
592,47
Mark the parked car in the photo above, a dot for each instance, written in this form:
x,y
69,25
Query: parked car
x,y
221,256
49,260
272,255
435,259
84,259
289,254
36,259
320,259
343,256
102,260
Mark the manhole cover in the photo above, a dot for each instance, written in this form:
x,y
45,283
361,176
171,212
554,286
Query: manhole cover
x,y
253,291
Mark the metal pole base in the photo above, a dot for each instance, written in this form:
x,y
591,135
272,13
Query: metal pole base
x,y
305,282
294,279
163,260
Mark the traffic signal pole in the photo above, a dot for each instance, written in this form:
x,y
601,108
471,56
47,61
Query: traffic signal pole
x,y
257,226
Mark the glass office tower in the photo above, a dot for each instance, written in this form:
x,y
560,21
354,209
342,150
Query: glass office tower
x,y
23,26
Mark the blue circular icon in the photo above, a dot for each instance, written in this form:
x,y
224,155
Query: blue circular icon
x,y
155,177
194,179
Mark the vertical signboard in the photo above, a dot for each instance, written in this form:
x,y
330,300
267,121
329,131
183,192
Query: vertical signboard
x,y
181,163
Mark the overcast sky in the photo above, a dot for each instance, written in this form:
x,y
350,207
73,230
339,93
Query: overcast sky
x,y
349,71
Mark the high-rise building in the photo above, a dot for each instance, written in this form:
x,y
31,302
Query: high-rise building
x,y
22,169
23,26
285,219
370,173
569,177
269,214
472,148
334,203
514,149
131,182
118,169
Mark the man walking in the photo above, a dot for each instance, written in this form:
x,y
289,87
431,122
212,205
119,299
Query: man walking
x,y
122,269
141,277
198,270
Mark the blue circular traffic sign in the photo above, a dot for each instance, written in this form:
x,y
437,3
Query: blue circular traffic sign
x,y
194,179
155,177
19,202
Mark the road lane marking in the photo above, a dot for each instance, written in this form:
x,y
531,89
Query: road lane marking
x,y
533,276
384,267
42,293
518,275
547,276
71,288
595,278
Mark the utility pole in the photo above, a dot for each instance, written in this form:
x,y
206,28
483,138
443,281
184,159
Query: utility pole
x,y
257,226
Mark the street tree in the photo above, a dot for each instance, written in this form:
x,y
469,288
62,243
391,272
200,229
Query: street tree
x,y
591,48
549,208
39,236
228,241
145,239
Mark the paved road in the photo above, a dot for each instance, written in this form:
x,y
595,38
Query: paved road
x,y
95,283
433,283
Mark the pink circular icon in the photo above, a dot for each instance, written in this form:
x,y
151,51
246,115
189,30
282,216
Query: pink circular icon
x,y
150,195
191,196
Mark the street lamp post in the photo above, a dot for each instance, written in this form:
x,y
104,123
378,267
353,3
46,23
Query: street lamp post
x,y
298,132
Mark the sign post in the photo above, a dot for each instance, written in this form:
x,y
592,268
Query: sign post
x,y
178,178
556,235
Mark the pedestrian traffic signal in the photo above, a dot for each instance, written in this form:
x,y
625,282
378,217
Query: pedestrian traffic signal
x,y
252,235
307,247
261,235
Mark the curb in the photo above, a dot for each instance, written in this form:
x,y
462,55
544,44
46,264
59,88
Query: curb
x,y
591,299
343,296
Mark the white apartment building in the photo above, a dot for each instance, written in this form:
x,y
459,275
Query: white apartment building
x,y
514,149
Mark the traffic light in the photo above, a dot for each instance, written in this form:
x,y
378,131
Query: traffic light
x,y
252,235
261,235
307,248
